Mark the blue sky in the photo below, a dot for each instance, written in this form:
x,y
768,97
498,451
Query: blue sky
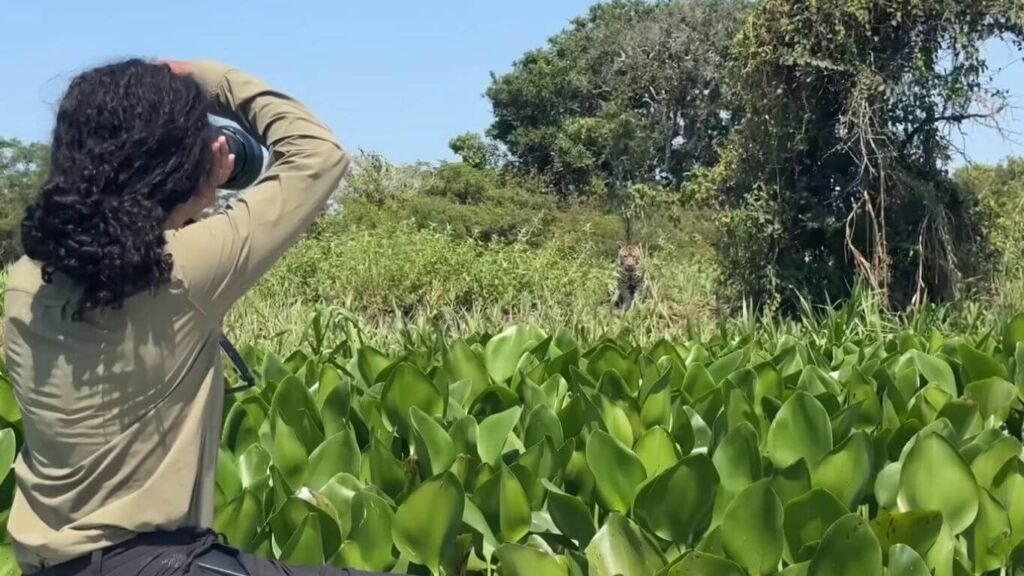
x,y
398,77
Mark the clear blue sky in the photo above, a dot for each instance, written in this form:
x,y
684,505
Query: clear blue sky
x,y
398,77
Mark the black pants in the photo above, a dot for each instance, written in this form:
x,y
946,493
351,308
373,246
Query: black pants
x,y
183,553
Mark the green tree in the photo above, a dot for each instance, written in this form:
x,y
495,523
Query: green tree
x,y
22,171
630,93
839,168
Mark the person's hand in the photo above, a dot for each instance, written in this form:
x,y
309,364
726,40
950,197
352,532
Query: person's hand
x,y
181,67
223,163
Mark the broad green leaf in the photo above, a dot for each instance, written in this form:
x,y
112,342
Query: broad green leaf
x,y
289,453
980,366
305,547
340,491
609,358
752,530
617,471
504,350
407,387
494,432
791,482
337,455
620,549
519,560
703,564
676,505
964,416
570,515
273,369
1008,488
8,452
371,364
295,406
935,371
726,365
616,420
240,519
426,524
849,548
887,485
511,503
808,517
994,396
991,533
737,460
372,522
336,409
846,471
915,529
474,518
800,430
904,561
385,471
698,381
987,465
657,451
432,442
254,468
935,477
464,364
543,422
940,557
1013,333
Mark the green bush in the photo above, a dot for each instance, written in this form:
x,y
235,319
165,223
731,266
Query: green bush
x,y
851,448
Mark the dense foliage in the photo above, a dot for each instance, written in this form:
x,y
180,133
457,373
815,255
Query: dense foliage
x,y
838,168
843,450
22,172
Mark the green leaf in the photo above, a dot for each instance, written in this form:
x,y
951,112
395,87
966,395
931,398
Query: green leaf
x,y
240,519
371,364
737,459
432,442
849,548
254,468
752,530
504,350
887,485
915,529
340,491
980,366
726,365
543,422
426,524
791,482
702,564
935,371
570,515
289,453
8,451
464,364
494,432
846,471
295,406
676,505
519,560
1013,334
385,471
405,388
338,454
904,561
935,477
994,396
808,517
609,358
987,465
474,518
305,547
698,381
991,533
617,471
514,514
336,407
801,429
620,549
372,523
657,451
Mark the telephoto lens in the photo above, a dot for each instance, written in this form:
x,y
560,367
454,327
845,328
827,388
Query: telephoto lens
x,y
248,157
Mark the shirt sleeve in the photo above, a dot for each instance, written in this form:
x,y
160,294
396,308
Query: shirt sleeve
x,y
221,257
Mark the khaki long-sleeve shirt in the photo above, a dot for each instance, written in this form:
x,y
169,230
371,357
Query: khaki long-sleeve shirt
x,y
122,411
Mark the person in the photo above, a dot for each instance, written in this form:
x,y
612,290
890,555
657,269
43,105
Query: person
x,y
113,316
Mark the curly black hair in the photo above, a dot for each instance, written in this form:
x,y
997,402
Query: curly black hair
x,y
131,142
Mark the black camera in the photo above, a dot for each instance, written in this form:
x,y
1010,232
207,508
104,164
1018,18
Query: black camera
x,y
248,157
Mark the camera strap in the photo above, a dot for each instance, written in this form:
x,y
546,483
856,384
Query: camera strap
x,y
244,373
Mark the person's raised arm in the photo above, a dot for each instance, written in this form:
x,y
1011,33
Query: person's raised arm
x,y
222,256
